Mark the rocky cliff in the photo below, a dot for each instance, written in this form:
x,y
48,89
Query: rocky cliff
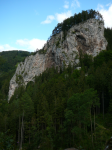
x,y
60,50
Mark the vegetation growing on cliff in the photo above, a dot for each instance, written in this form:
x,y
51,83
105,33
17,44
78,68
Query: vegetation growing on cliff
x,y
8,63
76,19
42,51
60,110
70,108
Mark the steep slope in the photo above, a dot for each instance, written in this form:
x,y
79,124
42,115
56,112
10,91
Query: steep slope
x,y
8,64
12,58
60,50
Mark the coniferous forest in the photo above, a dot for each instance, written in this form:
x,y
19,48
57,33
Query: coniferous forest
x,y
61,109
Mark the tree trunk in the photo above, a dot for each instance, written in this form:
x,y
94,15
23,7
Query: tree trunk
x,y
22,130
19,133
5,122
103,102
91,126
94,123
29,132
23,127
55,115
21,138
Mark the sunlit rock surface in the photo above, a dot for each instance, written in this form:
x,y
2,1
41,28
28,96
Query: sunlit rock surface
x,y
87,37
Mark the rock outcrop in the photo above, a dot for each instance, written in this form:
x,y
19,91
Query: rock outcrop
x,y
60,50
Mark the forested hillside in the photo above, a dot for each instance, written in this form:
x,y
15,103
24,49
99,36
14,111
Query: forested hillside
x,y
8,63
69,108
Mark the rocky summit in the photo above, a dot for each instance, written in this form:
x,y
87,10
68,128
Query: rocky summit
x,y
60,50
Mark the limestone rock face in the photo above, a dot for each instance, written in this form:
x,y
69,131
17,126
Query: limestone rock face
x,y
60,50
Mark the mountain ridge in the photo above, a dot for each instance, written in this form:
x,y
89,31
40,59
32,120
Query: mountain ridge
x,y
60,50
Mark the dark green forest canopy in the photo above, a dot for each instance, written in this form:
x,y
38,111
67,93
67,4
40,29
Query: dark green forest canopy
x,y
69,105
11,59
108,36
8,64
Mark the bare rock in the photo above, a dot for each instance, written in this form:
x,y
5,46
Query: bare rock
x,y
87,37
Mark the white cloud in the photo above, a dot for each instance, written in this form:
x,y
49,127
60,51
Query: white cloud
x,y
63,16
24,42
66,5
48,20
36,43
7,47
106,13
75,3
100,7
58,16
31,45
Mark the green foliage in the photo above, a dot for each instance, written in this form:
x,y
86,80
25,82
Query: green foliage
x,y
56,106
6,141
8,64
108,36
57,43
100,22
42,51
86,29
73,32
63,107
76,19
26,105
19,78
2,61
85,61
104,56
11,59
78,111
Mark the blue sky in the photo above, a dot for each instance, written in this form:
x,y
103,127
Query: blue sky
x,y
27,24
